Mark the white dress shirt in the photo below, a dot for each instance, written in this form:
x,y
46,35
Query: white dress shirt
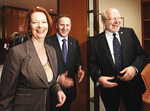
x,y
109,38
61,42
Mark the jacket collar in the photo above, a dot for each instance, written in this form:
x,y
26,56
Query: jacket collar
x,y
35,61
106,48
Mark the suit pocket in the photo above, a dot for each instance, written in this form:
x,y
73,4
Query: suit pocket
x,y
23,96
22,102
23,99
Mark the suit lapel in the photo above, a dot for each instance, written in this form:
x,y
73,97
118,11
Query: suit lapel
x,y
106,48
57,48
70,49
51,58
35,62
124,42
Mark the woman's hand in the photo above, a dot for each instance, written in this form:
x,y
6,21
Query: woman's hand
x,y
61,98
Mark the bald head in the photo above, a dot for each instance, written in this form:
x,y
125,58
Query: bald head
x,y
111,20
108,12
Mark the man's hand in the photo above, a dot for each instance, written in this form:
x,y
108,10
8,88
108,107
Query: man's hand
x,y
61,98
65,81
129,73
104,81
80,74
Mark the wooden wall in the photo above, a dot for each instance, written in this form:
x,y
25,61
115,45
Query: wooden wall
x,y
13,18
76,9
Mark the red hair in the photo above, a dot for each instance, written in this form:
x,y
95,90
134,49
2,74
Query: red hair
x,y
28,19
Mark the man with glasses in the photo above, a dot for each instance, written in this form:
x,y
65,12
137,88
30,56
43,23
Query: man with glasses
x,y
115,62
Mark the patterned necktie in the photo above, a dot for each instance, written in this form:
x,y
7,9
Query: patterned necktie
x,y
117,53
64,50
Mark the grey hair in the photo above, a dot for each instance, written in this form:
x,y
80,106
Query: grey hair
x,y
104,14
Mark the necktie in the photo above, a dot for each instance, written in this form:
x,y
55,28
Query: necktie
x,y
64,50
117,53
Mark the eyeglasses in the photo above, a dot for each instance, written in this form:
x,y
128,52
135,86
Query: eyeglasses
x,y
113,19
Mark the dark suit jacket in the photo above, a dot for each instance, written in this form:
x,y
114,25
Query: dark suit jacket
x,y
24,85
100,62
19,40
73,61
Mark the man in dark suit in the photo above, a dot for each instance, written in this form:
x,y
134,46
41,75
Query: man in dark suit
x,y
117,72
21,38
69,61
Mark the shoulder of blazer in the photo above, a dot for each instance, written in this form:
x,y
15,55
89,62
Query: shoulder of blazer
x,y
124,29
71,39
98,37
53,36
19,50
50,38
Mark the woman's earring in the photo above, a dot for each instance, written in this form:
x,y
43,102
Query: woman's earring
x,y
30,33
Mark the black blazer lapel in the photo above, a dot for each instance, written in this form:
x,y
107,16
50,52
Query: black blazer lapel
x,y
70,49
35,62
106,48
124,45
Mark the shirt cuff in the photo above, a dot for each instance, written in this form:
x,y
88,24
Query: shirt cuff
x,y
97,84
136,70
57,78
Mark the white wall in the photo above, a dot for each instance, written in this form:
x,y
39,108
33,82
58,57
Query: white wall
x,y
129,9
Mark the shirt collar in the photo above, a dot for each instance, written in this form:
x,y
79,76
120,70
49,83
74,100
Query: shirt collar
x,y
60,38
110,34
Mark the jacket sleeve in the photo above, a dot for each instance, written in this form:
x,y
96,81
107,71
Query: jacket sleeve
x,y
56,87
140,59
92,66
78,56
9,78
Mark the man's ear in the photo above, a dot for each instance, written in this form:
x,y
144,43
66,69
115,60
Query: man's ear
x,y
56,26
103,22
